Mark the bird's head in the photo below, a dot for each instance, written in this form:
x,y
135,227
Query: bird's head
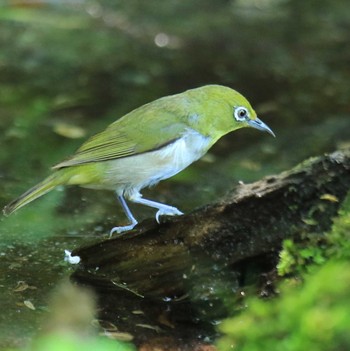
x,y
244,114
228,110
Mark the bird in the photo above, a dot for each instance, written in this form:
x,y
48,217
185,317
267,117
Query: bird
x,y
149,144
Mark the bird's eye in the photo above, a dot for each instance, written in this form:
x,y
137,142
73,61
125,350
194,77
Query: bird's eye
x,y
241,114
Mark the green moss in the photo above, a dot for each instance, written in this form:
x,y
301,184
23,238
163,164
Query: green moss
x,y
312,313
298,257
339,236
315,316
315,249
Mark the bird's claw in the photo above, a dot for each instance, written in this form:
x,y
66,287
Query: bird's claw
x,y
122,229
169,211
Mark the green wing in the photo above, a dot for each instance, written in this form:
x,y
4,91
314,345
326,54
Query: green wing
x,y
144,129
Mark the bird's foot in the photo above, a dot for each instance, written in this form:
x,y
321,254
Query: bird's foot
x,y
168,211
122,229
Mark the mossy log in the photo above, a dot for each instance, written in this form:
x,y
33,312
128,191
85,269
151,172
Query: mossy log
x,y
168,259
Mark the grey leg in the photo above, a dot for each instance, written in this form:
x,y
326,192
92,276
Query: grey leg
x,y
163,210
128,213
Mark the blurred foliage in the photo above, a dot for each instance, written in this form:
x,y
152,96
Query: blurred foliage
x,y
69,326
58,342
313,315
98,56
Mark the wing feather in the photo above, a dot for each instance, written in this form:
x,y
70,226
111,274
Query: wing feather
x,y
140,131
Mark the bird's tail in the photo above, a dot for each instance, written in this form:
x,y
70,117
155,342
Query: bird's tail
x,y
38,190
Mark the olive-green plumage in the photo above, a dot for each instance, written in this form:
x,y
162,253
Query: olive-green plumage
x,y
151,143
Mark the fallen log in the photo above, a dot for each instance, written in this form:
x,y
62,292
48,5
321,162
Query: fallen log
x,y
197,256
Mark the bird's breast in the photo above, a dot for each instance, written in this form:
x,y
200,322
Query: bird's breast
x,y
136,172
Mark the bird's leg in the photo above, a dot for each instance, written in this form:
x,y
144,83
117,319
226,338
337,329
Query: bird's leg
x,y
130,216
163,210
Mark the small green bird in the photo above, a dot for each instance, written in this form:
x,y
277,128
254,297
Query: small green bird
x,y
149,144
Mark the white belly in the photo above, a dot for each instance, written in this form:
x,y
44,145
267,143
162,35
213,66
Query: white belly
x,y
130,174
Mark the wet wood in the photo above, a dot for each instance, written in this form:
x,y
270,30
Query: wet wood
x,y
170,260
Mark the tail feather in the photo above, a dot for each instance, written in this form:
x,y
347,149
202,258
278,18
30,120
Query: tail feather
x,y
38,190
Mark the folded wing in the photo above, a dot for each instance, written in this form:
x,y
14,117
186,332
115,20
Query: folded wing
x,y
140,131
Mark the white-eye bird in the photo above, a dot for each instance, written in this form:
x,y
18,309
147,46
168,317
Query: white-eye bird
x,y
149,144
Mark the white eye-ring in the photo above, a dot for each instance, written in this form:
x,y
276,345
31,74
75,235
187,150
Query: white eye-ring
x,y
241,114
